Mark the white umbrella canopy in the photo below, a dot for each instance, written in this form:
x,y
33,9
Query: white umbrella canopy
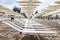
x,y
5,10
27,11
57,2
31,8
33,5
26,1
56,13
53,7
50,8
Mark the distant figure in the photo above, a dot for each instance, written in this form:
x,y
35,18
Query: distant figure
x,y
12,18
24,15
36,12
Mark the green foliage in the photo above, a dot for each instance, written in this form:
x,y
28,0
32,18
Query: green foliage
x,y
16,9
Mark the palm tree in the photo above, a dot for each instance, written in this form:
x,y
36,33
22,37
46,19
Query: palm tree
x,y
14,9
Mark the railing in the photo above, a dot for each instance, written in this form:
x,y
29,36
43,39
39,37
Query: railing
x,y
13,26
21,29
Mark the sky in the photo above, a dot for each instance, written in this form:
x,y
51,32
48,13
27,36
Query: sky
x,y
9,3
